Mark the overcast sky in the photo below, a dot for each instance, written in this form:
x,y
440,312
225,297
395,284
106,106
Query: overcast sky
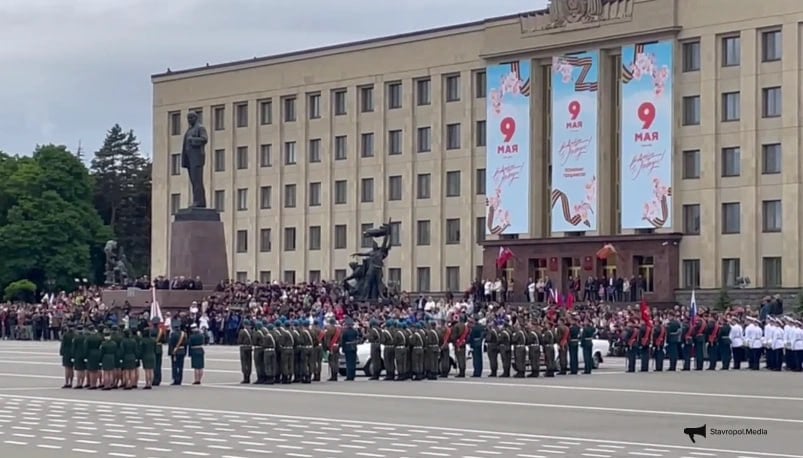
x,y
70,69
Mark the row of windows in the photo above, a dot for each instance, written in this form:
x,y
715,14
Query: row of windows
x,y
731,106
731,161
339,97
771,267
731,50
771,217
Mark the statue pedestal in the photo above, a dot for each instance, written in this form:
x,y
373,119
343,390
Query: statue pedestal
x,y
198,246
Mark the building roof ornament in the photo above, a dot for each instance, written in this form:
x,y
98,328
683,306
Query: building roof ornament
x,y
574,14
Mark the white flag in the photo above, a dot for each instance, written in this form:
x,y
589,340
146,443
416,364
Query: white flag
x,y
155,310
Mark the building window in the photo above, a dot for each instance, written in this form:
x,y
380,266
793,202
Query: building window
x,y
241,276
265,240
365,241
367,145
220,200
772,273
315,194
423,93
395,233
453,136
289,277
220,160
422,188
453,88
691,110
175,203
453,183
314,106
175,122
314,238
731,218
731,106
367,99
289,239
691,219
479,85
242,157
340,275
480,182
422,232
691,273
242,199
315,150
453,279
341,192
480,133
339,97
265,276
219,117
266,155
340,148
242,241
424,139
394,95
691,164
395,187
241,114
266,112
771,102
289,153
771,158
265,197
731,51
771,46
479,229
289,196
289,109
394,277
452,231
731,162
422,279
367,190
691,56
314,276
731,270
175,164
394,142
771,216
340,237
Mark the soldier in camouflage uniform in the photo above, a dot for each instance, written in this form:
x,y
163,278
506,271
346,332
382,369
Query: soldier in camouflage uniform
x,y
245,341
389,351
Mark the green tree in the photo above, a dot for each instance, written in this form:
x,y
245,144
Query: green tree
x,y
48,225
723,300
123,194
20,290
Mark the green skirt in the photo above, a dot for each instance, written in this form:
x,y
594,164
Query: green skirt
x,y
129,362
148,362
79,364
66,361
93,361
108,362
197,359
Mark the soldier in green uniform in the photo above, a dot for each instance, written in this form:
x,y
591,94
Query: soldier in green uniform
x,y
269,354
306,351
659,346
331,343
195,345
409,330
687,343
432,351
492,344
724,343
444,339
66,353
117,337
298,350
389,350
161,339
562,336
317,351
147,352
460,333
287,354
177,351
631,336
400,339
645,341
417,352
93,342
129,346
374,337
699,343
108,362
574,347
245,341
259,352
548,345
519,345
475,341
505,340
534,349
673,337
79,357
587,335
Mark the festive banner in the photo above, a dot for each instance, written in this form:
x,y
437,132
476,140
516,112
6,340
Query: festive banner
x,y
646,116
507,175
574,142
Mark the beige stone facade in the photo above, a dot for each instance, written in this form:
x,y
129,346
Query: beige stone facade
x,y
307,148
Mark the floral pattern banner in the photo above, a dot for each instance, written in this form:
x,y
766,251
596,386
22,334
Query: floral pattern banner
x,y
507,171
574,142
647,141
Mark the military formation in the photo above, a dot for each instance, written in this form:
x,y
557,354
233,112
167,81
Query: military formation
x,y
714,341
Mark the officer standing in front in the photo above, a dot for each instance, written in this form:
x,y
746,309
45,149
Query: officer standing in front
x,y
351,338
574,347
588,334
245,341
374,338
475,341
176,350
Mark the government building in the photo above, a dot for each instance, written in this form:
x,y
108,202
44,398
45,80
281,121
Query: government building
x,y
649,139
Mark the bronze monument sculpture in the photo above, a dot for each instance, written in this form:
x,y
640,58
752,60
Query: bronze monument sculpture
x,y
193,158
366,282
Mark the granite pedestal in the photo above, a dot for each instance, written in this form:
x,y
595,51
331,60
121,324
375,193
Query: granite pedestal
x,y
198,246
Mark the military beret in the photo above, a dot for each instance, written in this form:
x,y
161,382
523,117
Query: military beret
x,y
270,326
373,322
259,324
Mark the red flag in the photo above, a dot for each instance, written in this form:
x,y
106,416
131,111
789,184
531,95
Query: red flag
x,y
645,312
606,251
560,302
504,256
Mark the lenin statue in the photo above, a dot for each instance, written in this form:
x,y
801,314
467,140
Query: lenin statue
x,y
193,158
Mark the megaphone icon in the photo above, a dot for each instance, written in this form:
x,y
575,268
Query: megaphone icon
x,y
691,432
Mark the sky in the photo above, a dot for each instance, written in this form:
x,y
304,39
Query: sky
x,y
71,69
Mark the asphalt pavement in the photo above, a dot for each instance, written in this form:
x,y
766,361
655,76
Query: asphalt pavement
x,y
609,414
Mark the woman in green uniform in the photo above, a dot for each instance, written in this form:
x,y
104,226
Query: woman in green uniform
x,y
129,359
147,352
79,357
117,337
93,342
138,341
66,356
196,346
108,361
